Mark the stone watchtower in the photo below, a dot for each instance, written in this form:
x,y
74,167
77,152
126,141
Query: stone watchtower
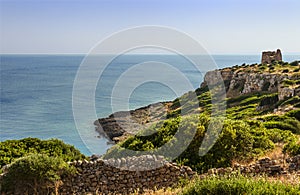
x,y
269,56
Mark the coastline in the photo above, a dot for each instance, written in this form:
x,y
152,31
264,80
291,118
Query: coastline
x,y
119,125
238,80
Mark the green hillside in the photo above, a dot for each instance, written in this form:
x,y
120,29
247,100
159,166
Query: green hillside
x,y
254,124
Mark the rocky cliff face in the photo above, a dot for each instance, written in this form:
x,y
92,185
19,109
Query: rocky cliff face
x,y
240,83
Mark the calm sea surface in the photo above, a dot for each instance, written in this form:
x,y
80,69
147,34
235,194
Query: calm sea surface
x,y
36,92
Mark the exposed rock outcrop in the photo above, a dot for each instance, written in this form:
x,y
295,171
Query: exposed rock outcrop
x,y
119,125
239,83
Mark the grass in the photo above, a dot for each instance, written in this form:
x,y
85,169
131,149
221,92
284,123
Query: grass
x,y
274,68
238,185
234,185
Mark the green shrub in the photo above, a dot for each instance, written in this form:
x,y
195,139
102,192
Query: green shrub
x,y
174,114
297,70
269,100
285,63
238,99
237,140
288,82
35,174
281,136
285,71
294,63
292,125
250,100
294,113
292,148
13,149
291,101
234,142
175,104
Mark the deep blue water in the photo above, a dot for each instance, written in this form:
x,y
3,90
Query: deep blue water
x,y
36,92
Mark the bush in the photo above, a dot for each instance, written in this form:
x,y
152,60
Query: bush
x,y
269,100
13,149
293,148
291,101
236,141
288,82
292,125
297,70
35,174
240,98
285,71
281,136
294,113
250,100
295,63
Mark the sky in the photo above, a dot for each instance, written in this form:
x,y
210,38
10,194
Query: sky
x,y
221,26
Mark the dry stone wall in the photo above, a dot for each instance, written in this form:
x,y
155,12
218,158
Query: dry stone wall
x,y
262,166
124,176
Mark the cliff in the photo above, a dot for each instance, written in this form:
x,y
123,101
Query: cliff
x,y
245,80
280,78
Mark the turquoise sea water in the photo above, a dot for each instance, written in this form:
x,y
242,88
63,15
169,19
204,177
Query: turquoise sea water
x,y
36,92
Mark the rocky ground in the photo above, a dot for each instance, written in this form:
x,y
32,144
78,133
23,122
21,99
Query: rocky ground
x,y
118,126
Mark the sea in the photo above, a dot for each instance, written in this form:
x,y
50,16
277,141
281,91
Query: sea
x,y
37,92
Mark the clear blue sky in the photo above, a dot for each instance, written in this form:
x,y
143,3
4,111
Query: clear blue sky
x,y
222,26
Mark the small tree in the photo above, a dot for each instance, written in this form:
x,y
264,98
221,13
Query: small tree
x,y
35,174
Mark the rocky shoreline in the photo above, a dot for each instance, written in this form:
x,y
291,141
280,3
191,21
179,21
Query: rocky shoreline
x,y
119,125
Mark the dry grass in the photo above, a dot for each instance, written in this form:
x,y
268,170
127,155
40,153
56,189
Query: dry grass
x,y
276,153
286,179
291,179
166,191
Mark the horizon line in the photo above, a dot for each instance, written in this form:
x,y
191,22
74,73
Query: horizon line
x,y
217,53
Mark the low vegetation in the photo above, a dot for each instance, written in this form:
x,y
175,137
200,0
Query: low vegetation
x,y
11,150
250,130
275,67
35,166
35,174
238,185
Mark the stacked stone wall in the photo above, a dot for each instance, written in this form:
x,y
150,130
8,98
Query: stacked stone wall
x,y
124,176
